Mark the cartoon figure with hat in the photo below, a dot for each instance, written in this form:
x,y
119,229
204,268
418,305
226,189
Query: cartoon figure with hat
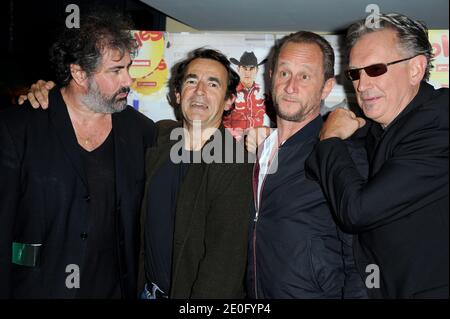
x,y
249,110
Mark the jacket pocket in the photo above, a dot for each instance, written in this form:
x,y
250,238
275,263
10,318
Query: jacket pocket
x,y
327,265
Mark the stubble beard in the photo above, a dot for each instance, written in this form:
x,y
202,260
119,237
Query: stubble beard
x,y
298,116
99,103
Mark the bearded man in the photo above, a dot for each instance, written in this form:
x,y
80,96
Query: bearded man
x,y
72,176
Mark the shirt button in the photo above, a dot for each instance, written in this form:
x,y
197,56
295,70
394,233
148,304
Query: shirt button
x,y
87,198
83,236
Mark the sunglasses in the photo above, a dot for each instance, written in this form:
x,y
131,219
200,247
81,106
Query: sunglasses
x,y
372,70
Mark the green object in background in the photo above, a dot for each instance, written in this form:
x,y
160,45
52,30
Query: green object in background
x,y
26,254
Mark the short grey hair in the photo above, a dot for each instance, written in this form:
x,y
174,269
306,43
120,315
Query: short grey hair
x,y
412,35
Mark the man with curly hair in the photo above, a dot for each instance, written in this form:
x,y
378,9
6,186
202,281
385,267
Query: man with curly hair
x,y
72,176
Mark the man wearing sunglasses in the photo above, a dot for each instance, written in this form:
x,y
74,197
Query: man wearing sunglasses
x,y
400,212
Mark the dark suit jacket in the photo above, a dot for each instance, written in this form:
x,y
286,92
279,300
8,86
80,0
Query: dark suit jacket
x,y
211,224
400,212
44,197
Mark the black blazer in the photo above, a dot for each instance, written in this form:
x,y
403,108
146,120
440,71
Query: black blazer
x,y
44,196
400,212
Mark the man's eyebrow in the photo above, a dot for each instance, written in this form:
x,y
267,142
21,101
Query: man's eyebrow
x,y
304,65
118,67
190,76
214,79
195,76
282,64
308,67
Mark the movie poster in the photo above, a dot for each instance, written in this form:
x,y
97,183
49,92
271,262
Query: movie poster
x,y
248,53
439,74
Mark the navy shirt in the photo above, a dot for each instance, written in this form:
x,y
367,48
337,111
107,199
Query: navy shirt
x,y
160,220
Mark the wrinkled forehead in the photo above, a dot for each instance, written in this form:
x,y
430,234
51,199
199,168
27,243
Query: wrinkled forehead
x,y
112,56
207,68
298,55
375,47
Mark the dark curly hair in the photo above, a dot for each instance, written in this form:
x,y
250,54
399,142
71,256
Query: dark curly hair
x,y
84,46
179,72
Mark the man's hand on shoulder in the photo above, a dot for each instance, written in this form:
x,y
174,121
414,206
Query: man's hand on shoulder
x,y
38,94
341,123
255,136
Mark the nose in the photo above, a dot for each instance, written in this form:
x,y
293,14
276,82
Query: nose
x,y
364,82
200,88
291,85
128,80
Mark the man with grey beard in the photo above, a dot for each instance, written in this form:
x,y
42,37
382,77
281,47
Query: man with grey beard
x,y
72,176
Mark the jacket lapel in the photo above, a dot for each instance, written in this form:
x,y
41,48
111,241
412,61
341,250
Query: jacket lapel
x,y
379,138
60,119
121,155
155,158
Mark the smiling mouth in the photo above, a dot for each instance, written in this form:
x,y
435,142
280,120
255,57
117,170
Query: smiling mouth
x,y
370,99
199,106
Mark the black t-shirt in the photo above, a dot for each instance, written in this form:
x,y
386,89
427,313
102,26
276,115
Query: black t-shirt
x,y
160,221
99,276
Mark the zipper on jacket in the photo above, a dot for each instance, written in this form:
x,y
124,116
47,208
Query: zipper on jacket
x,y
257,203
254,260
255,220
